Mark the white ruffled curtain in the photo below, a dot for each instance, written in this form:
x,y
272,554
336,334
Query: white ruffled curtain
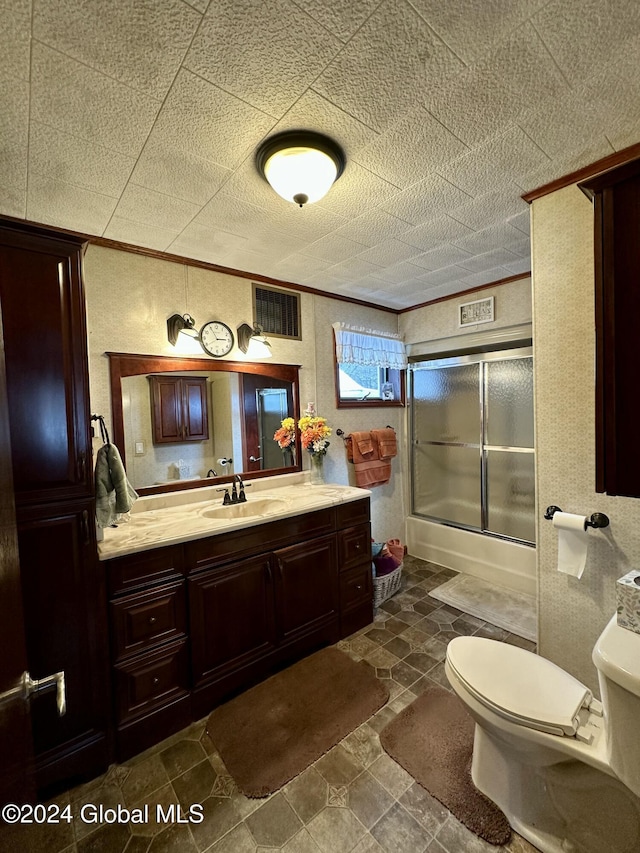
x,y
365,346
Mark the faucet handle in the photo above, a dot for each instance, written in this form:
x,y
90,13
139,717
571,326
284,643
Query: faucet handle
x,y
226,500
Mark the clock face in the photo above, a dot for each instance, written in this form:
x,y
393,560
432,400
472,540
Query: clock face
x,y
217,338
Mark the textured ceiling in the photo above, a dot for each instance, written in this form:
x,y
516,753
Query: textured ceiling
x,y
137,120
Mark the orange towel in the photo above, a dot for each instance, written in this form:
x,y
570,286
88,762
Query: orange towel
x,y
361,447
374,473
385,439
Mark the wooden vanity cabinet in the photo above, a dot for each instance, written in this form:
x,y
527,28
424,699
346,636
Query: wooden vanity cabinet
x,y
149,647
193,624
179,409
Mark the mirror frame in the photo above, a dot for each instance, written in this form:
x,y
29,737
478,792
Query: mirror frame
x,y
123,364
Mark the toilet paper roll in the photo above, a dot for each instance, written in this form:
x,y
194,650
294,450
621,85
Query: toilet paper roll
x,y
573,539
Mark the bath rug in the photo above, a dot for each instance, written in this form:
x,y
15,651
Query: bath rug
x,y
433,740
274,731
514,611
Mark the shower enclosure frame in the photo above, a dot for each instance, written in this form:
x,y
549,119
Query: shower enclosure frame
x,y
484,449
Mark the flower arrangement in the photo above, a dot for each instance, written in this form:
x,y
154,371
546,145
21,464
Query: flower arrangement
x,y
313,434
286,435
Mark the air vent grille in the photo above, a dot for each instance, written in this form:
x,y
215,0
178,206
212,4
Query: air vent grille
x,y
277,311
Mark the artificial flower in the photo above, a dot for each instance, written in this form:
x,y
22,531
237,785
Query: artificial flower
x,y
286,435
313,434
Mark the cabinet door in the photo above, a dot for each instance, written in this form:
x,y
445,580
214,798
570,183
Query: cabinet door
x,y
47,382
232,617
65,622
307,586
194,401
179,409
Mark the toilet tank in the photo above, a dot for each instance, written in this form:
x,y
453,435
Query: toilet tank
x,y
617,659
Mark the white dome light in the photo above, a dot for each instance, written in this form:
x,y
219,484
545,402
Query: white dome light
x,y
301,166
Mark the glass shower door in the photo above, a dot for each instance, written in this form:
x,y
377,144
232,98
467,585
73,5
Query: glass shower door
x,y
472,443
446,444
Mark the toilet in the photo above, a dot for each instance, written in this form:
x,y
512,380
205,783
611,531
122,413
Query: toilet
x,y
563,766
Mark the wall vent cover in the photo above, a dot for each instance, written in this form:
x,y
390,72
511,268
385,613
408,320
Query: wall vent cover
x,y
277,311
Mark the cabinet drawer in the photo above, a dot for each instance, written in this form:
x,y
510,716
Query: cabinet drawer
x,y
151,680
356,586
352,513
137,570
142,620
354,546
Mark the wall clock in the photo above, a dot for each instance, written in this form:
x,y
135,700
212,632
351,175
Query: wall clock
x,y
216,338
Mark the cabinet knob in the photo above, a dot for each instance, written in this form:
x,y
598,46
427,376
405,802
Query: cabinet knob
x,y
357,546
359,586
152,620
156,680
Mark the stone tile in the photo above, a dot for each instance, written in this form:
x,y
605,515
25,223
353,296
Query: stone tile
x,y
166,799
435,847
515,640
181,757
519,845
196,784
38,837
421,661
174,839
338,796
368,800
424,808
398,647
224,786
424,607
107,794
404,674
338,766
363,646
379,636
453,836
137,844
395,624
274,823
393,777
144,778
381,658
435,648
414,635
390,606
438,676
239,840
367,844
363,744
307,793
382,718
409,617
219,816
402,700
383,674
398,832
301,843
445,615
335,830
491,632
112,837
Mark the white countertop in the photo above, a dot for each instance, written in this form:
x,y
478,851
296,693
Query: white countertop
x,y
174,517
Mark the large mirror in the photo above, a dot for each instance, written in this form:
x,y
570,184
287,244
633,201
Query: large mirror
x,y
180,423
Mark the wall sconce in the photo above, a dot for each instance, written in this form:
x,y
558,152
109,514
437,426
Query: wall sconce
x,y
300,165
252,342
181,323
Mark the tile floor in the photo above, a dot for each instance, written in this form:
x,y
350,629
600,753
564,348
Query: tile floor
x,y
355,799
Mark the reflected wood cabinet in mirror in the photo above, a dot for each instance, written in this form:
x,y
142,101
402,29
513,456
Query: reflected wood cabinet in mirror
x,y
616,196
247,432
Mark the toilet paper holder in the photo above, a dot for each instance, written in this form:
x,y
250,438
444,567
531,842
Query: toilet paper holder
x,y
598,519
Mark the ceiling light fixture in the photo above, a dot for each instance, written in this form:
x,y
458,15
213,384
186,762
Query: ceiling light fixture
x,y
181,323
252,342
300,165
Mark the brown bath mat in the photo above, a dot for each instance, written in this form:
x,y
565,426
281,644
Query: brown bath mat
x,y
433,740
275,730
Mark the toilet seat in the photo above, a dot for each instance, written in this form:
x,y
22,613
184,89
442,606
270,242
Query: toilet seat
x,y
531,690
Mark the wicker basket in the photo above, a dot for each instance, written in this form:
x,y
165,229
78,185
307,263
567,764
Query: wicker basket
x,y
386,586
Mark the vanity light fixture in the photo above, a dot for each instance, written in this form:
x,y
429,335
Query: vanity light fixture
x,y
300,165
252,342
181,324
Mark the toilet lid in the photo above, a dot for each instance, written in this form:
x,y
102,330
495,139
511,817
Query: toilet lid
x,y
531,691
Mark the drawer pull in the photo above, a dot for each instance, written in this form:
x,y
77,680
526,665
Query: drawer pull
x,y
156,680
152,620
357,546
359,586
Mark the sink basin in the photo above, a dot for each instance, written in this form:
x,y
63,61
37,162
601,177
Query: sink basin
x,y
249,509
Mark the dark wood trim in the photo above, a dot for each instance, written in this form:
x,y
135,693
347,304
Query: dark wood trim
x,y
106,243
123,364
497,283
618,158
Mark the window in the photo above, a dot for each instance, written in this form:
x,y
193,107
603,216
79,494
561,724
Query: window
x,y
369,368
276,311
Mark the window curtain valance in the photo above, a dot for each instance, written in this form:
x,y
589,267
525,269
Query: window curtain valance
x,y
365,346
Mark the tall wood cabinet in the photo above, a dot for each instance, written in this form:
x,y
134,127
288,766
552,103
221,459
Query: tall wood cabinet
x,y
42,298
616,197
